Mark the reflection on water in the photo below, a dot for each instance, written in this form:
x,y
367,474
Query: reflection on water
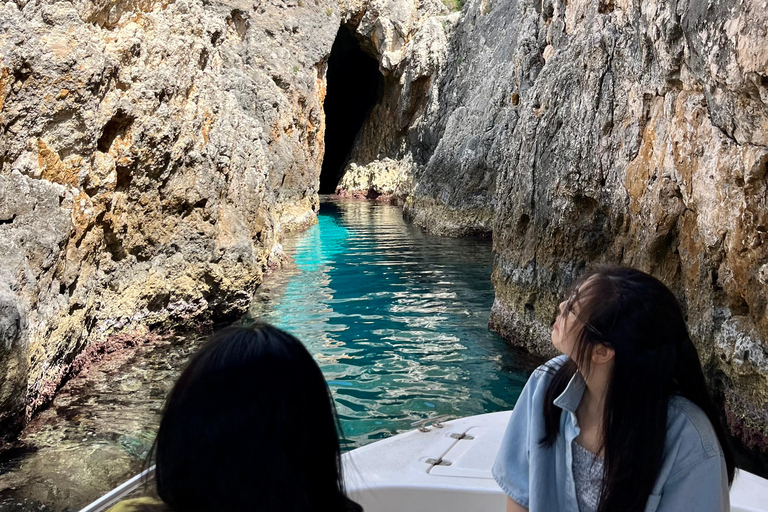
x,y
396,319
96,432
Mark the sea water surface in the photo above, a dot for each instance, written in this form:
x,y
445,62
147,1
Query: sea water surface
x,y
396,318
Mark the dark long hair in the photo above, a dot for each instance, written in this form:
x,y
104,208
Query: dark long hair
x,y
250,425
640,318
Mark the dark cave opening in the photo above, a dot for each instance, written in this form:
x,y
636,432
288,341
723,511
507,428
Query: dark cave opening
x,y
354,86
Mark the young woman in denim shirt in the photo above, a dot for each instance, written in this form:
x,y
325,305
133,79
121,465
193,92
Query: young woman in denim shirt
x,y
622,421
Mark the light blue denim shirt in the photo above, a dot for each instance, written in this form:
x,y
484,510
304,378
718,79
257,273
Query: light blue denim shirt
x,y
693,475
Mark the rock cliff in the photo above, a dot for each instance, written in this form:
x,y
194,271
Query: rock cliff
x,y
152,154
586,131
641,138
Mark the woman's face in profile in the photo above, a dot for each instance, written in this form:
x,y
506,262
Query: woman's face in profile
x,y
567,326
566,329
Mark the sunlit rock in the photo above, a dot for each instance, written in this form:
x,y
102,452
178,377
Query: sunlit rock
x,y
382,179
152,154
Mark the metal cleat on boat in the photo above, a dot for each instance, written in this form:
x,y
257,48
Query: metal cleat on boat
x,y
436,421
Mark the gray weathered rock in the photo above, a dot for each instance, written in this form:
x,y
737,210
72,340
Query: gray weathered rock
x,y
35,226
610,130
152,154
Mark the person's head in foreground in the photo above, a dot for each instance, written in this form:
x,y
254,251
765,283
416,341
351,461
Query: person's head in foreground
x,y
617,394
250,425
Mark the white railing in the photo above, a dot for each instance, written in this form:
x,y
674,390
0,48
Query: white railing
x,y
117,494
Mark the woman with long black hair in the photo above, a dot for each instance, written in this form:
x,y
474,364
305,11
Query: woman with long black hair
x,y
623,420
250,426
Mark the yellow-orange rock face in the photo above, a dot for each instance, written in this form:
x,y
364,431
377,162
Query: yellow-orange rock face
x,y
152,154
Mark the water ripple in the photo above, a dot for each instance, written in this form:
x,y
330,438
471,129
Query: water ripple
x,y
396,318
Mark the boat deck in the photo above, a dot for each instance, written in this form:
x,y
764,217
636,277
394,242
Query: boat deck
x,y
449,469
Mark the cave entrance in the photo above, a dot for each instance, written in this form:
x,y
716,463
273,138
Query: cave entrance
x,y
354,86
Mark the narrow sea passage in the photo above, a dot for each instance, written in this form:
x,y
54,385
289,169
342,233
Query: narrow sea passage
x,y
396,318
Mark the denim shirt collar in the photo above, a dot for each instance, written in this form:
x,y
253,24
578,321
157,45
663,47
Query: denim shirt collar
x,y
570,398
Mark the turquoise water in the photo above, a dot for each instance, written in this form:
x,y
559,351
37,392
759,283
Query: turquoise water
x,y
396,318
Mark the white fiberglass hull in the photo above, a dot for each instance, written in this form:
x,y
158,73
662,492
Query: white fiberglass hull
x,y
445,469
400,474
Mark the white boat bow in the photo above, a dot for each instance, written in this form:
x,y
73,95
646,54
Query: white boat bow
x,y
446,469
449,469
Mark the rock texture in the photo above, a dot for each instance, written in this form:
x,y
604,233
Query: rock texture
x,y
394,136
589,131
151,155
385,179
423,94
641,139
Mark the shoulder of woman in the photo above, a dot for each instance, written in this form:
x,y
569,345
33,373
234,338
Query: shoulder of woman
x,y
139,505
539,380
690,434
547,370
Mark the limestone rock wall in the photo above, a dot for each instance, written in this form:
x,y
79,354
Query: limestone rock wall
x,y
434,118
642,140
584,131
588,131
410,42
384,180
151,155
